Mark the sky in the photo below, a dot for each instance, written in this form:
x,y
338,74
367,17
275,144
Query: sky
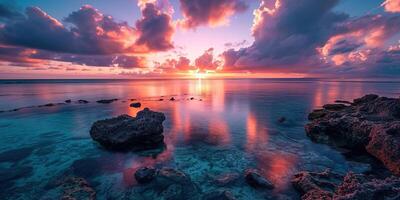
x,y
199,39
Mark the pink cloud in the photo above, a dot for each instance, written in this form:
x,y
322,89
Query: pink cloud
x,y
391,6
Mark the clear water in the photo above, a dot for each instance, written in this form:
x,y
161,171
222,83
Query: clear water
x,y
234,127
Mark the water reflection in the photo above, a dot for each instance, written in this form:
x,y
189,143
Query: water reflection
x,y
233,127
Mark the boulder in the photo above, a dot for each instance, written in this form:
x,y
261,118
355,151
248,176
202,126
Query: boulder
x,y
135,105
145,174
254,178
125,132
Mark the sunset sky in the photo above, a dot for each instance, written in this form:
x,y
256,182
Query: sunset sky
x,y
199,38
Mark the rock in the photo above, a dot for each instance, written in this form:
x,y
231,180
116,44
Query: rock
x,y
76,188
254,179
133,99
316,114
334,106
106,101
226,179
172,99
175,184
281,120
135,105
370,123
47,105
161,99
313,185
68,101
191,98
343,102
219,195
145,174
362,187
83,101
385,145
125,132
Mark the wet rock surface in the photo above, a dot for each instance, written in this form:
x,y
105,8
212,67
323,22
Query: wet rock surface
x,y
219,195
328,185
145,174
371,123
253,177
125,132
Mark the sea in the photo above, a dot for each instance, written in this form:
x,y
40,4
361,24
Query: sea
x,y
214,128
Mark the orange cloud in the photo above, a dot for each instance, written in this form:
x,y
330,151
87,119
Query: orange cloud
x,y
391,6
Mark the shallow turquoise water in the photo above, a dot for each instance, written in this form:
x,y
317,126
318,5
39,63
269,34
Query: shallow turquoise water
x,y
234,127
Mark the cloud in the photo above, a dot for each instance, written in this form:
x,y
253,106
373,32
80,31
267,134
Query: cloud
x,y
391,6
176,65
308,36
209,12
155,29
207,62
32,58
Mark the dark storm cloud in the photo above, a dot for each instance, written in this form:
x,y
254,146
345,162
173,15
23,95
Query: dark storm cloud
x,y
308,36
209,12
155,28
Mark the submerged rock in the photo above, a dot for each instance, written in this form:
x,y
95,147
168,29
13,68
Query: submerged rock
x,y
145,174
68,101
76,188
254,178
219,195
135,105
328,185
125,132
370,123
175,184
225,179
106,101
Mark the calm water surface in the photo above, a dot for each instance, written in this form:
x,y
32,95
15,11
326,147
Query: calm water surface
x,y
234,127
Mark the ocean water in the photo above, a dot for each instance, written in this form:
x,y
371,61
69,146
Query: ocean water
x,y
229,126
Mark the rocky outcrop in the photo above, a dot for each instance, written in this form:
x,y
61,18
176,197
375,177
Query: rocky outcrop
x,y
385,145
125,132
328,185
370,123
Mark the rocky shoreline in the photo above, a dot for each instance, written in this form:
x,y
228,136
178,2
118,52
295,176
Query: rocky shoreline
x,y
370,125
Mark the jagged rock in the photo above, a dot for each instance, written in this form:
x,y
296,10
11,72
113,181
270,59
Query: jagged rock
x,y
125,132
385,145
314,185
136,105
370,122
254,178
145,174
362,187
106,101
219,195
328,185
